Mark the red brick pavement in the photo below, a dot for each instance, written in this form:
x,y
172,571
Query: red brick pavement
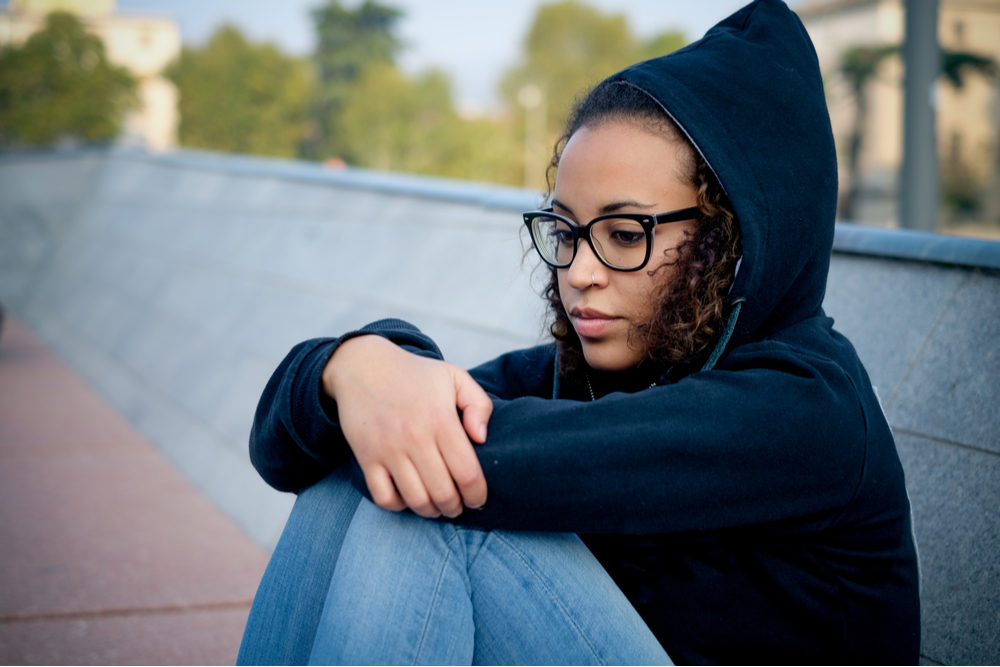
x,y
107,555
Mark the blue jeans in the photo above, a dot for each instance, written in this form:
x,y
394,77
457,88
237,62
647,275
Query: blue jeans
x,y
350,583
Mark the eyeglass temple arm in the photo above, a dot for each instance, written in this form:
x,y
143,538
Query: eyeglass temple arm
x,y
677,216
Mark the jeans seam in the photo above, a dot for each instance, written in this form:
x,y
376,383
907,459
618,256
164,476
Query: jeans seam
x,y
552,595
434,598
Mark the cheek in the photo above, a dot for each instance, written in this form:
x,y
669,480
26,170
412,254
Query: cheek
x,y
564,290
642,294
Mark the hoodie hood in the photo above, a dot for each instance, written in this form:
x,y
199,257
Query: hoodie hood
x,y
749,96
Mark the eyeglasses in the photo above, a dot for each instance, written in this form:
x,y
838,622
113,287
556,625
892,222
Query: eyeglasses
x,y
621,241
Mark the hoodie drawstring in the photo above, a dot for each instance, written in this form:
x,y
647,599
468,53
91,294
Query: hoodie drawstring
x,y
727,333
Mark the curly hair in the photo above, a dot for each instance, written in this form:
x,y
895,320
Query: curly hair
x,y
691,307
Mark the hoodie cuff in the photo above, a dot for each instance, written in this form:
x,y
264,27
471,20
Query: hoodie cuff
x,y
314,413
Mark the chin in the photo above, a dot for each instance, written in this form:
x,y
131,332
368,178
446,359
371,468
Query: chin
x,y
607,358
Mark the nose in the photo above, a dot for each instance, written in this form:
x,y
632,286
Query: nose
x,y
586,269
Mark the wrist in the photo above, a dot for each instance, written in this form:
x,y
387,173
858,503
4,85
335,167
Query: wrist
x,y
357,350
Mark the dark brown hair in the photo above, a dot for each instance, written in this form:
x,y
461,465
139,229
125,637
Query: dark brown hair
x,y
692,307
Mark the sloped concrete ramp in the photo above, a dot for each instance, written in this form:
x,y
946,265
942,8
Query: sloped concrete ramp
x,y
175,284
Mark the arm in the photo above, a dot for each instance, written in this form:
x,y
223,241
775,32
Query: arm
x,y
400,420
296,438
745,445
773,434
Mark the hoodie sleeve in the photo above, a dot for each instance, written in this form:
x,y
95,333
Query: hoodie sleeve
x,y
296,439
773,434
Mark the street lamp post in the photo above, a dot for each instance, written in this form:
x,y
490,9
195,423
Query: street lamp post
x,y
918,189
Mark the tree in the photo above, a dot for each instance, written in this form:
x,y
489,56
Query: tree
x,y
954,65
961,191
570,47
241,97
858,66
60,84
374,115
349,42
392,122
662,44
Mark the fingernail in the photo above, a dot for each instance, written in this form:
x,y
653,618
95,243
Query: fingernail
x,y
482,432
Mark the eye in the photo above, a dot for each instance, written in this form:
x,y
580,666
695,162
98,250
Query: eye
x,y
559,232
626,234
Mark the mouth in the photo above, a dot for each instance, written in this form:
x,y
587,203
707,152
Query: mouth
x,y
591,323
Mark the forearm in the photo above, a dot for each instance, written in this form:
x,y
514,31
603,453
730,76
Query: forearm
x,y
704,453
293,441
690,456
296,437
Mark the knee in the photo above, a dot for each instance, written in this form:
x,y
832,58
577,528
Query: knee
x,y
402,530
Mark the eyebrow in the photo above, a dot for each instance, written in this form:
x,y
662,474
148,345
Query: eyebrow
x,y
607,208
556,202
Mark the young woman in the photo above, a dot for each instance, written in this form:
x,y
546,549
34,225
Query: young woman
x,y
714,443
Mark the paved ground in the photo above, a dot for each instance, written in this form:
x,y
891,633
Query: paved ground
x,y
107,556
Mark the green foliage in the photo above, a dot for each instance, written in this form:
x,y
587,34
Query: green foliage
x,y
349,42
242,97
960,191
394,123
859,64
60,84
954,65
569,48
662,44
361,108
373,115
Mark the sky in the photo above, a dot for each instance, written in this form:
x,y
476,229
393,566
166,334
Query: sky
x,y
474,41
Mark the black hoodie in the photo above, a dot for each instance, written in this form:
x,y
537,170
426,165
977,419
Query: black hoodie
x,y
754,511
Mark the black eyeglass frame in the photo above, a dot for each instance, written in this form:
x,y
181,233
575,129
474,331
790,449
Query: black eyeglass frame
x,y
648,222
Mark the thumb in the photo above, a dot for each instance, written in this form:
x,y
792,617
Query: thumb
x,y
475,405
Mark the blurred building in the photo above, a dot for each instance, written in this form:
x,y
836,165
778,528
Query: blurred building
x,y
968,118
142,44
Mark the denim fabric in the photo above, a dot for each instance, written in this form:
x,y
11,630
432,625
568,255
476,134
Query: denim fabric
x,y
406,590
289,600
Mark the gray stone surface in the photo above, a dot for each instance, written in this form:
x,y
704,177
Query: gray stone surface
x,y
175,284
955,494
887,309
39,201
176,288
952,389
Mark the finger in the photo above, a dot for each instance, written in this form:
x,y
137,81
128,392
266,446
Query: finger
x,y
382,490
463,466
436,477
413,491
475,405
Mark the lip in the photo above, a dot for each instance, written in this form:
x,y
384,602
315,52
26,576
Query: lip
x,y
591,323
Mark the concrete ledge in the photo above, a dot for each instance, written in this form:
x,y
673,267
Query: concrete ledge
x,y
921,246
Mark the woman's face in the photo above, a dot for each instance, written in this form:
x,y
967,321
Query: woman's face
x,y
618,167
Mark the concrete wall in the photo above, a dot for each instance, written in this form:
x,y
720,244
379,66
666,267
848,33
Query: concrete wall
x,y
175,284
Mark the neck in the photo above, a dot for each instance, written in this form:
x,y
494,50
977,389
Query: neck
x,y
628,381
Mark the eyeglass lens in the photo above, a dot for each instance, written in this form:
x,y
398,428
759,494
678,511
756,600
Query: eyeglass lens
x,y
620,242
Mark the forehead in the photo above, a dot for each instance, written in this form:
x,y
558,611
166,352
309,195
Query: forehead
x,y
620,161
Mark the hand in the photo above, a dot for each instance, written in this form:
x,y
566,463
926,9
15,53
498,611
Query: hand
x,y
398,413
